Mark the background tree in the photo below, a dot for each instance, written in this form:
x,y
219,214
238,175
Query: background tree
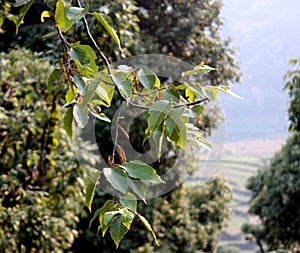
x,y
41,186
276,187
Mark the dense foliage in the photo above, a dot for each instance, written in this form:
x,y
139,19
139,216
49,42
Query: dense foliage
x,y
276,187
42,183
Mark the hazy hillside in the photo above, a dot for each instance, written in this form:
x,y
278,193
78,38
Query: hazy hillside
x,y
266,33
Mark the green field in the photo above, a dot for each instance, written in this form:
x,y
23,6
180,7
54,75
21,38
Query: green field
x,y
240,160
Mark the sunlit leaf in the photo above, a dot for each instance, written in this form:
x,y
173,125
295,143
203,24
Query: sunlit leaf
x,y
45,14
142,171
101,116
77,13
160,141
81,115
157,113
225,89
129,201
123,83
198,137
61,19
147,78
105,22
71,94
139,188
105,92
117,178
201,68
127,217
91,183
172,95
90,90
148,227
84,57
80,84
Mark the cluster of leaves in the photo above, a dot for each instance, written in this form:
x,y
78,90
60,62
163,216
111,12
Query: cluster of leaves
x,y
293,86
276,188
168,110
41,186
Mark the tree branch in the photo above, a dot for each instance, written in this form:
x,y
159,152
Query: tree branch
x,y
192,103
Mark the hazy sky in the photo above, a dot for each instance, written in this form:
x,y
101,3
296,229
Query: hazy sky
x,y
266,34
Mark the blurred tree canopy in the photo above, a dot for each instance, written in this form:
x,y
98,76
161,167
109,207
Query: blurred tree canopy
x,y
42,191
41,185
276,187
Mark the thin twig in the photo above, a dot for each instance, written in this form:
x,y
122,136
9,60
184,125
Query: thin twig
x,y
192,103
106,62
86,26
63,40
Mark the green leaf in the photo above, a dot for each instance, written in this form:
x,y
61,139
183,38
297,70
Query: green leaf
x,y
117,178
173,119
105,20
117,230
191,96
19,3
81,115
127,218
129,201
96,214
139,188
172,95
91,183
147,78
176,128
84,57
201,68
26,6
76,13
61,19
91,89
71,95
159,140
68,121
80,84
195,111
148,227
124,84
179,135
105,92
142,171
55,82
195,89
198,137
157,114
107,207
101,117
225,89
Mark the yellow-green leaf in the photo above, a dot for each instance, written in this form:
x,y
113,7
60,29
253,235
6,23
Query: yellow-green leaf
x,y
68,121
148,227
45,14
105,20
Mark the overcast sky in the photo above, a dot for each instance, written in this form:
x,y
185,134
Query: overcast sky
x,y
266,34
